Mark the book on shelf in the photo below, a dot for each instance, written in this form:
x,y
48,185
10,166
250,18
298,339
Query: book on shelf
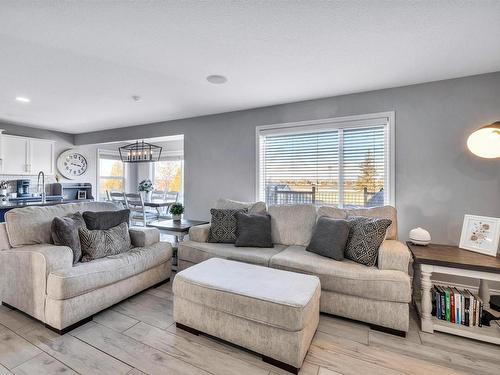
x,y
452,305
467,307
447,304
443,303
457,298
461,307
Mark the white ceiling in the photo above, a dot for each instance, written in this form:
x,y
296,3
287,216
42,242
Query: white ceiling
x,y
80,62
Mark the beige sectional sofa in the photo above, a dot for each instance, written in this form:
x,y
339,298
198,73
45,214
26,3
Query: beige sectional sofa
x,y
39,278
377,295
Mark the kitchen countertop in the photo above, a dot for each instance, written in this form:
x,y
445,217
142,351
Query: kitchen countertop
x,y
13,204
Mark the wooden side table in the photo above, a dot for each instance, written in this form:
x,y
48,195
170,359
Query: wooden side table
x,y
452,260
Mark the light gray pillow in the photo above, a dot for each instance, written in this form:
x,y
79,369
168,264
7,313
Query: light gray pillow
x,y
64,231
365,237
102,243
329,238
252,207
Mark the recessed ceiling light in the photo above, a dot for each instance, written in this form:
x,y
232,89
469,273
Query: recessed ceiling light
x,y
136,98
23,99
216,79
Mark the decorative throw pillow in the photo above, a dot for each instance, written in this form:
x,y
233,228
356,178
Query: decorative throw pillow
x,y
102,243
253,230
64,231
105,219
329,238
223,225
365,237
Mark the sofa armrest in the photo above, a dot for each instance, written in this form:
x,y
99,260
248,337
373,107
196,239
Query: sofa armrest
x,y
144,237
4,238
23,275
199,233
394,255
49,257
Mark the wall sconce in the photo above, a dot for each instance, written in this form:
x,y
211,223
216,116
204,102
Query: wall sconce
x,y
485,141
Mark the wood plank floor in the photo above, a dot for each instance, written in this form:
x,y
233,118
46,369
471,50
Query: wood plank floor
x,y
138,336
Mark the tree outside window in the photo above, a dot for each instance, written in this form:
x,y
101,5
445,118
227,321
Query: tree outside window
x,y
168,176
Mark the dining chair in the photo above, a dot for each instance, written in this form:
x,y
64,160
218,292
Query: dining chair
x,y
138,212
172,196
158,194
117,197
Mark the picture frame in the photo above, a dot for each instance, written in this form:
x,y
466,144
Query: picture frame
x,y
480,234
82,194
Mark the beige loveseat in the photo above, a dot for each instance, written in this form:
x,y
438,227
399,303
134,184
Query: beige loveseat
x,y
39,278
377,295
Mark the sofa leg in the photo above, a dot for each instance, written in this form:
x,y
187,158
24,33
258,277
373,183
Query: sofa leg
x,y
8,306
187,329
391,331
71,327
281,365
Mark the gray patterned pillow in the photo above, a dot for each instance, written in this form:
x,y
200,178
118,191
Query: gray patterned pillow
x,y
65,233
223,225
365,237
102,243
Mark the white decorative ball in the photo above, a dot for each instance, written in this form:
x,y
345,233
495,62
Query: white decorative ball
x,y
420,236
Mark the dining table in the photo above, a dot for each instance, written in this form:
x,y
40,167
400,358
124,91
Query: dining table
x,y
158,204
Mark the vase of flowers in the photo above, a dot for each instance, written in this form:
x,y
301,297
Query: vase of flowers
x,y
176,210
146,189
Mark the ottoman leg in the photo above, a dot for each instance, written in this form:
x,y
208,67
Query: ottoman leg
x,y
281,365
187,329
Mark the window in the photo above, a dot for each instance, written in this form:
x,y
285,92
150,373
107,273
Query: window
x,y
168,175
345,162
111,173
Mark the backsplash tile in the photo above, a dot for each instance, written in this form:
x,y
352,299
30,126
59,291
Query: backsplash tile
x,y
11,179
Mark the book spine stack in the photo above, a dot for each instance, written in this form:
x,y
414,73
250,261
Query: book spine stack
x,y
457,306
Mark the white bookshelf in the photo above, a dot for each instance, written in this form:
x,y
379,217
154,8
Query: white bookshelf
x,y
430,323
489,334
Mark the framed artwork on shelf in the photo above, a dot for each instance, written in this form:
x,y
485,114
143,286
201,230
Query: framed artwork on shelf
x,y
480,234
82,194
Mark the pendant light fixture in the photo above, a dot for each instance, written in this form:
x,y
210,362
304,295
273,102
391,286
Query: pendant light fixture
x,y
140,152
485,141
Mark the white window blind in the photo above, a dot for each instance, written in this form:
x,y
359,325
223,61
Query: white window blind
x,y
341,163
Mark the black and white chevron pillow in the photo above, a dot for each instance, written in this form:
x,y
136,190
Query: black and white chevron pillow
x,y
102,243
365,237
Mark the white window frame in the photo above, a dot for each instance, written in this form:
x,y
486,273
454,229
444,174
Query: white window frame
x,y
340,123
98,170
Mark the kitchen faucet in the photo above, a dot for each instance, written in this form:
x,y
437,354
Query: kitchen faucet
x,y
43,185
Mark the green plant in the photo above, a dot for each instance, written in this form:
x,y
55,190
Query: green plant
x,y
176,209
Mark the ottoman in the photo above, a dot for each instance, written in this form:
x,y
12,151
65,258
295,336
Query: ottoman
x,y
272,312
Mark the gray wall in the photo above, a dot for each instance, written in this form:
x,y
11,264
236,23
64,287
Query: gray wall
x,y
437,179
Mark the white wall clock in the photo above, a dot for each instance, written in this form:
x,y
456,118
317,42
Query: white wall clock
x,y
72,164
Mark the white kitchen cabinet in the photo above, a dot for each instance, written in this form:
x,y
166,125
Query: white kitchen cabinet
x,y
25,156
41,154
